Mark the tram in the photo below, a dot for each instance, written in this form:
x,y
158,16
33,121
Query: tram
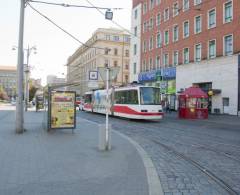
x,y
133,102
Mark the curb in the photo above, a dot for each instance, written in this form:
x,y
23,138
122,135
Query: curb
x,y
154,185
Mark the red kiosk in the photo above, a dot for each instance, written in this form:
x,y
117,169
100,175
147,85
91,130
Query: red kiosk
x,y
193,104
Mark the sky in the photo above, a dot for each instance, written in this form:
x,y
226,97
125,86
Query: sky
x,y
54,46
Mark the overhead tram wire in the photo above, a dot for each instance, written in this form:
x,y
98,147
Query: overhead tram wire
x,y
70,5
90,3
66,32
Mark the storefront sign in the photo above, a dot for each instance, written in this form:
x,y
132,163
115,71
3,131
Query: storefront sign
x,y
155,75
168,72
171,87
147,76
62,110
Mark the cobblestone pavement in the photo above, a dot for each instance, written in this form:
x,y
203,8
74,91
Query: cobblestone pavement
x,y
191,156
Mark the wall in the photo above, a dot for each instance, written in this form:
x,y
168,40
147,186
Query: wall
x,y
222,72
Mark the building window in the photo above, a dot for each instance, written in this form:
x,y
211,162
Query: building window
x,y
158,62
135,30
198,24
198,52
197,2
166,60
150,64
212,49
107,37
126,78
145,8
135,49
151,24
175,9
158,19
115,63
151,2
228,12
175,33
166,14
166,37
175,58
185,5
134,68
186,29
115,51
159,40
212,18
158,2
151,43
145,27
144,46
126,66
186,55
135,14
115,38
127,53
228,45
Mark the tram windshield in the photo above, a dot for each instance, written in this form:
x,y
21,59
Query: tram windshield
x,y
150,96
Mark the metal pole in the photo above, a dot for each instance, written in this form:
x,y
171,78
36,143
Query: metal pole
x,y
107,107
26,80
19,103
122,55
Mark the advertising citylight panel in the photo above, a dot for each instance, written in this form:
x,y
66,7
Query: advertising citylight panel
x,y
63,112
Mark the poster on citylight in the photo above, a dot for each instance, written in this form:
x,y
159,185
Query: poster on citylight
x,y
62,110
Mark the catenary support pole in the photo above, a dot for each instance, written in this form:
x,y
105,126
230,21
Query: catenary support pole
x,y
107,108
19,103
26,96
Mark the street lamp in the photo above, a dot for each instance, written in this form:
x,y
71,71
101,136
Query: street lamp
x,y
29,50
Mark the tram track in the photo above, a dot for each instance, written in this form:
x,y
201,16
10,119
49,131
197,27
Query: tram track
x,y
196,163
207,172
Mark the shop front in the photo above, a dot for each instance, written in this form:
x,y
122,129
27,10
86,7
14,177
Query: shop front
x,y
165,78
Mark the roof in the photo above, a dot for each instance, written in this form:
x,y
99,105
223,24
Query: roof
x,y
194,92
8,68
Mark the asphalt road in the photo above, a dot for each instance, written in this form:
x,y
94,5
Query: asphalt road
x,y
191,156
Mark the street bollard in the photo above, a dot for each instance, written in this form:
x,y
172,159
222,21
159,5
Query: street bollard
x,y
104,143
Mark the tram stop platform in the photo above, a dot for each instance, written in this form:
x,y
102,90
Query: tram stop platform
x,y
61,162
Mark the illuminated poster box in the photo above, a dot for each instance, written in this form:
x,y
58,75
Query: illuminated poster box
x,y
62,110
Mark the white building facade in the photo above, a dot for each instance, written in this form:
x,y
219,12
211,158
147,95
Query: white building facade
x,y
220,75
135,46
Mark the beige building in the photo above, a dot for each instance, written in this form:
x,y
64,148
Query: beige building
x,y
94,54
8,80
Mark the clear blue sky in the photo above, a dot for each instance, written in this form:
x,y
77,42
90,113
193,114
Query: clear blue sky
x,y
53,46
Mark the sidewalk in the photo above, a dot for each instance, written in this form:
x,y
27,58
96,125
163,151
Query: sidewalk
x,y
59,162
212,118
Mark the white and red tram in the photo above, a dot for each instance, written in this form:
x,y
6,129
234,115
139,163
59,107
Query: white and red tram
x,y
134,102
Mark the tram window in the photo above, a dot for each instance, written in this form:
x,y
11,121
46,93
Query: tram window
x,y
126,97
150,96
88,98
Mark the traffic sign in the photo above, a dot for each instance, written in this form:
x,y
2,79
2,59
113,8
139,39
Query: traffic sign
x,y
93,75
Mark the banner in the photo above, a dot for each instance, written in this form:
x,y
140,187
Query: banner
x,y
62,110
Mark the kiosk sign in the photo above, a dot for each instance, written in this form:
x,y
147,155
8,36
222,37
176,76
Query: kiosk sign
x,y
62,110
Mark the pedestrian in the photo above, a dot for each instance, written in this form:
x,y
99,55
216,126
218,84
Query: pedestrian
x,y
168,110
